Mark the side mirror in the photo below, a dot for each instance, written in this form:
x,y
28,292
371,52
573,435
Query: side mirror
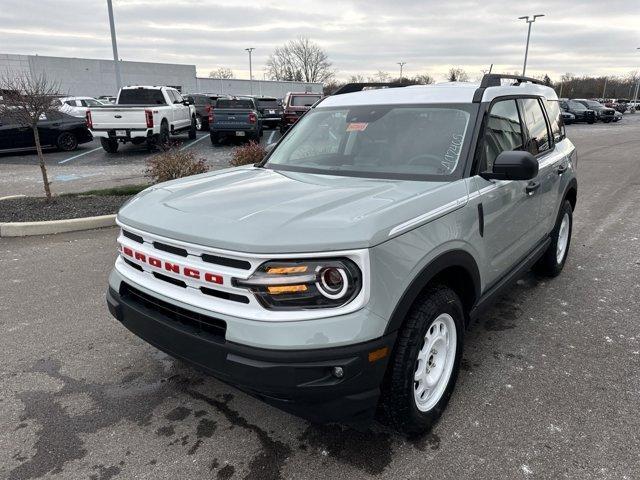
x,y
513,165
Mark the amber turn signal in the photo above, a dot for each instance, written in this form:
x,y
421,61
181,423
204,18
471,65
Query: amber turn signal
x,y
378,354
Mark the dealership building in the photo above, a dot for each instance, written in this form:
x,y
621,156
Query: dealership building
x,y
93,78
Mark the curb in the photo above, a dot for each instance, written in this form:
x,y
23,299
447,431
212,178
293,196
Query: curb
x,y
11,197
24,229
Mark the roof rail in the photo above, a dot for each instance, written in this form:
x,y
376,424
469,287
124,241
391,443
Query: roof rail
x,y
494,80
357,87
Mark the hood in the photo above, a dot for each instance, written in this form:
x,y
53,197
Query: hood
x,y
260,210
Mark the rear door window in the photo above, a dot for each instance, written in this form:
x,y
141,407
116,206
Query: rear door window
x,y
539,139
555,118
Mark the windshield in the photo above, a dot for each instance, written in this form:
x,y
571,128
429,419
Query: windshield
x,y
407,142
234,103
303,100
573,105
591,103
141,96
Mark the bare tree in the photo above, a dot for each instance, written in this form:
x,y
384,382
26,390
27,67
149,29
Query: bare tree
x,y
424,79
300,60
457,75
25,100
221,72
357,78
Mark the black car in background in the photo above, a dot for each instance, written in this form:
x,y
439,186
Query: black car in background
x,y
578,110
270,111
604,114
56,130
204,103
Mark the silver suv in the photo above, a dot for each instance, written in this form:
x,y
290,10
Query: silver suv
x,y
336,278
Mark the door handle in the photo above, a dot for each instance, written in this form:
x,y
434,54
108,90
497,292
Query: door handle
x,y
532,187
561,169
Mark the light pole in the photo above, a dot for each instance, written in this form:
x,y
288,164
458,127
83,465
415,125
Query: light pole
x,y
402,64
635,97
526,51
604,89
114,45
251,49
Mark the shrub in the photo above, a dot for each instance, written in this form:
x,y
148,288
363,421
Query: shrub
x,y
250,153
174,164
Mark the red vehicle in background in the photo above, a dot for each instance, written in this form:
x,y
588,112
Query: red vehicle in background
x,y
295,105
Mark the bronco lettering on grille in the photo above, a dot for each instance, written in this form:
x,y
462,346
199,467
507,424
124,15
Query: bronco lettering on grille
x,y
189,272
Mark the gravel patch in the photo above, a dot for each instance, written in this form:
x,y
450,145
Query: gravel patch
x,y
35,209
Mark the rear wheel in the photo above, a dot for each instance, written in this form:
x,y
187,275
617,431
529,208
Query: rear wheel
x,y
215,138
164,140
193,128
110,145
199,125
67,141
425,363
553,260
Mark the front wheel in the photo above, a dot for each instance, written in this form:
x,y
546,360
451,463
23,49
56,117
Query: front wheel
x,y
67,141
110,145
425,363
552,261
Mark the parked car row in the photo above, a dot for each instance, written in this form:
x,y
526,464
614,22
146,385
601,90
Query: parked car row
x,y
588,111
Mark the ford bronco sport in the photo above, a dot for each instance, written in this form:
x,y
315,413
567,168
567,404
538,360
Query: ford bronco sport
x,y
335,278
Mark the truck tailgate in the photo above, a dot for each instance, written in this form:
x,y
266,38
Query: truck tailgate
x,y
118,117
232,118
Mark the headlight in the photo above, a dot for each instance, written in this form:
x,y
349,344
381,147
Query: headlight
x,y
304,284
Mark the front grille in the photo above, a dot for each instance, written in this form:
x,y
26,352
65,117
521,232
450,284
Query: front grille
x,y
171,280
133,236
226,262
194,321
170,249
234,297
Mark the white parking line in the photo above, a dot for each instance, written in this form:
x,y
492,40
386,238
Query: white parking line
x,y
194,142
78,156
271,137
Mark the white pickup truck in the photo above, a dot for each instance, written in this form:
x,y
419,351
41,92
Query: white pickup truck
x,y
142,115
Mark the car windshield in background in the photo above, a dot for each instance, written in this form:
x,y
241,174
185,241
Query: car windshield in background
x,y
141,96
576,105
303,100
271,103
592,103
234,103
405,142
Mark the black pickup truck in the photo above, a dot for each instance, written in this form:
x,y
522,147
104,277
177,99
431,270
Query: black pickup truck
x,y
578,110
235,117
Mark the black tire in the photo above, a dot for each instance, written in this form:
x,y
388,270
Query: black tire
x,y
215,138
164,139
67,141
549,265
138,140
591,121
192,129
109,145
398,406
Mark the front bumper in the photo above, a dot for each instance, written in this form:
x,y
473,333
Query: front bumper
x,y
298,381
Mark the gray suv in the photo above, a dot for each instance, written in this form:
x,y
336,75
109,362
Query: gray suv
x,y
336,279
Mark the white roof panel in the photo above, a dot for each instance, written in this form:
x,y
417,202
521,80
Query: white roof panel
x,y
449,92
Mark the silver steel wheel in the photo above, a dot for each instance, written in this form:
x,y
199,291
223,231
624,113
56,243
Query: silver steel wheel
x,y
435,362
198,123
563,238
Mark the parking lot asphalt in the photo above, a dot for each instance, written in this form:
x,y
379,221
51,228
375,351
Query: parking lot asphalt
x,y
550,386
90,167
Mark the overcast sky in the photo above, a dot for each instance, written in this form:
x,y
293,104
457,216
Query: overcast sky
x,y
361,36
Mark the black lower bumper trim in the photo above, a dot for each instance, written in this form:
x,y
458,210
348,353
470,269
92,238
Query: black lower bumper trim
x,y
298,381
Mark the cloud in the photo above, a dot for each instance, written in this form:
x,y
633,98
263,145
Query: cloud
x,y
360,36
